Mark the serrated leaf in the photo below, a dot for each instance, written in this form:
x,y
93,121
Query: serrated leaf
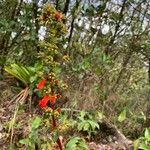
x,y
82,145
71,145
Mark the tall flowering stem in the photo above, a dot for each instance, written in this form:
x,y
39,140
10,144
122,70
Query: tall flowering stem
x,y
51,57
48,103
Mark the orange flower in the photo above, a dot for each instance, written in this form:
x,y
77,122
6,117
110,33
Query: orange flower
x,y
52,98
41,84
43,102
58,16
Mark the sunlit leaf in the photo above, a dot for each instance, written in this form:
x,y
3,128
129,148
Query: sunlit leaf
x,y
122,116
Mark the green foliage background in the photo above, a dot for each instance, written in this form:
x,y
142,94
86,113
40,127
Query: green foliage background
x,y
108,44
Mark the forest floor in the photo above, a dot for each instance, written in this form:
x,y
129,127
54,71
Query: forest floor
x,y
14,125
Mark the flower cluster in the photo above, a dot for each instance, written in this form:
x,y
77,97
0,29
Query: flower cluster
x,y
58,16
50,98
51,57
50,12
52,20
43,103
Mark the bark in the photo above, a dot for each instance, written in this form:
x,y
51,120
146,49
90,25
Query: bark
x,y
57,4
66,7
72,22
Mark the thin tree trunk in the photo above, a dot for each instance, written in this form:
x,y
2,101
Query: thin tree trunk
x,y
149,71
125,62
66,7
37,27
116,28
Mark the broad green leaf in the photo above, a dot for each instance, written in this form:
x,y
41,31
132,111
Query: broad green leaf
x,y
33,78
38,66
36,123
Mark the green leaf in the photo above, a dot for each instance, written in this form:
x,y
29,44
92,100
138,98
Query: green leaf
x,y
36,123
71,145
20,72
93,124
55,136
76,143
57,70
24,141
136,144
147,134
82,114
86,126
144,147
104,57
38,66
122,116
33,78
80,126
82,145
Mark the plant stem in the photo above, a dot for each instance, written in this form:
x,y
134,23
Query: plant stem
x,y
54,125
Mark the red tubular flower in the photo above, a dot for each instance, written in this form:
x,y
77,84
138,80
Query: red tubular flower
x,y
53,106
41,84
58,95
59,110
52,98
58,16
43,102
